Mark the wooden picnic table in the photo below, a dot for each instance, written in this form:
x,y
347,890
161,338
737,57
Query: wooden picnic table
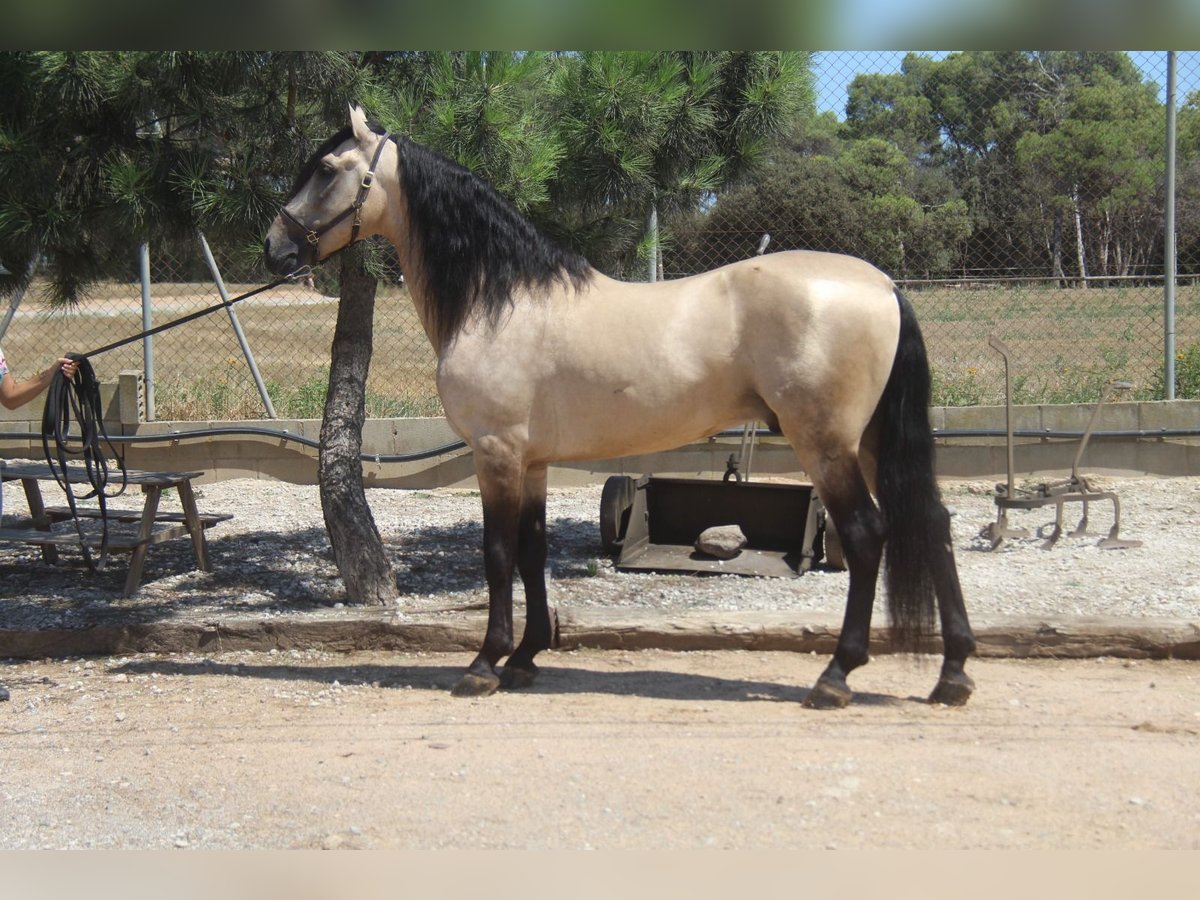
x,y
154,527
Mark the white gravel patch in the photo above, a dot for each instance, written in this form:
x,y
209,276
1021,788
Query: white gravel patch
x,y
273,558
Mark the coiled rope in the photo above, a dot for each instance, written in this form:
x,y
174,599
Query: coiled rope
x,y
78,399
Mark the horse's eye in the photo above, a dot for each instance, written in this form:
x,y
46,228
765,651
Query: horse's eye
x,y
326,170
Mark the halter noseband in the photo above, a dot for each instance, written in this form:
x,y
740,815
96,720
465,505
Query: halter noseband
x,y
313,235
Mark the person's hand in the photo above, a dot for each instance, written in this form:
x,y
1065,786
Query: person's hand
x,y
69,367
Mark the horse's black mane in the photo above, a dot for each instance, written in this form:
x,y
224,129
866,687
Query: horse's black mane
x,y
476,250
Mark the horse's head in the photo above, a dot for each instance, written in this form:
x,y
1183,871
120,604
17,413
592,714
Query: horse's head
x,y
332,202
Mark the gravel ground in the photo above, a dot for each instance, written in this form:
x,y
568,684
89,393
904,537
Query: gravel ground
x,y
626,749
273,558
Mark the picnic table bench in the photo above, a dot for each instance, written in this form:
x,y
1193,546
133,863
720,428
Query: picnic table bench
x,y
153,527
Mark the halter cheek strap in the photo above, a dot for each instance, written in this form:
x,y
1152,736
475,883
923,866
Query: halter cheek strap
x,y
313,235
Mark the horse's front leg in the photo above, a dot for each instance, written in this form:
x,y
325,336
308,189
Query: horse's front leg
x,y
520,669
500,481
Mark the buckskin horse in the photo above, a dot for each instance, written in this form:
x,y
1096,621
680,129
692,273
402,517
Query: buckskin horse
x,y
536,364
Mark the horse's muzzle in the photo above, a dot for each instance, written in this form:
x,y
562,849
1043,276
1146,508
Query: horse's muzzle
x,y
281,254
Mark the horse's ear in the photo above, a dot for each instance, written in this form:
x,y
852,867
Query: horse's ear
x,y
358,124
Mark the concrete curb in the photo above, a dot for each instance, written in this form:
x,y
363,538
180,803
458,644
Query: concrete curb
x,y
358,629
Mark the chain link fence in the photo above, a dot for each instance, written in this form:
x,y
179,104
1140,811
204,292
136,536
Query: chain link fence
x,y
1071,278
199,372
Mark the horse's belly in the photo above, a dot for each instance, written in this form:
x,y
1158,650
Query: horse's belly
x,y
628,418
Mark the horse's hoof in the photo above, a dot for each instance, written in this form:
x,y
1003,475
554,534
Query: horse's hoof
x,y
827,694
953,690
472,685
514,677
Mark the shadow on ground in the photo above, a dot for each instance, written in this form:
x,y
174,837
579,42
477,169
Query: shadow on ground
x,y
554,680
258,572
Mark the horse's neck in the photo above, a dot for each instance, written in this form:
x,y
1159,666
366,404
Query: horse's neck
x,y
414,277
416,294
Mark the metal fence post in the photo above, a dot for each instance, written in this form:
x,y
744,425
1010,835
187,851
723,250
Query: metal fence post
x,y
652,234
148,340
1169,262
13,304
237,327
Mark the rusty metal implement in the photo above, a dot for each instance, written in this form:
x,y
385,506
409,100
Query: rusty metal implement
x,y
1074,489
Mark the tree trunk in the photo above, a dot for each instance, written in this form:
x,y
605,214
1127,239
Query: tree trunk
x,y
357,548
652,240
1079,250
1056,249
293,90
1105,245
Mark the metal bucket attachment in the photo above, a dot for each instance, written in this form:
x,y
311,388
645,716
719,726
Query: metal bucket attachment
x,y
653,524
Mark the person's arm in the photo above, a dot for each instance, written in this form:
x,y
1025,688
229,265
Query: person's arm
x,y
15,393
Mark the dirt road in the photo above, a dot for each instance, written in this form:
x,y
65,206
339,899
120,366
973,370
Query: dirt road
x,y
610,749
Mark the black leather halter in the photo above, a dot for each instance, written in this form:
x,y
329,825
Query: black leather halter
x,y
313,235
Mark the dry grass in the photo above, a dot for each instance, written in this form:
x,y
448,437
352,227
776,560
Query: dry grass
x,y
1066,343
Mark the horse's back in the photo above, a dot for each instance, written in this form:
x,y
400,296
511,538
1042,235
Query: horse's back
x,y
800,286
818,265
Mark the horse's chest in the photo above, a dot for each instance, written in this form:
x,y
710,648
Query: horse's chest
x,y
489,378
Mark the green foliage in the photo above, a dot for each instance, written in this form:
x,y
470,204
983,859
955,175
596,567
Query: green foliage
x,y
936,166
989,158
1187,375
956,385
477,110
1066,382
100,151
660,131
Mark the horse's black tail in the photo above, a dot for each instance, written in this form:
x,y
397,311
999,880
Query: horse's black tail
x,y
907,488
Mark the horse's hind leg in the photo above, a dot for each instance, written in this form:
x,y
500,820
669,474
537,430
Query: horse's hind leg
x,y
954,685
520,669
860,528
500,480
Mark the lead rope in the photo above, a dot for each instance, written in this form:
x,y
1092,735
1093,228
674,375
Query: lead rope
x,y
78,399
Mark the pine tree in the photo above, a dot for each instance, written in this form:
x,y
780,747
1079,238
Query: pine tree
x,y
650,132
